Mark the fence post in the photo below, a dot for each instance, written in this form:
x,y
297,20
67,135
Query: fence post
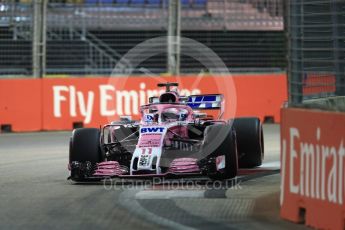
x,y
295,77
173,41
39,38
338,45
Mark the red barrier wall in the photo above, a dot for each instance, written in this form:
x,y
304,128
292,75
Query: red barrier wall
x,y
95,101
20,104
312,170
319,83
261,96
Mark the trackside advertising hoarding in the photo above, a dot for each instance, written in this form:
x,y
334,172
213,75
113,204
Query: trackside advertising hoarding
x,y
312,157
58,103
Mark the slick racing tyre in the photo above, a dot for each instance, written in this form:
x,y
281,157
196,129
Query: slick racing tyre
x,y
250,141
85,146
221,139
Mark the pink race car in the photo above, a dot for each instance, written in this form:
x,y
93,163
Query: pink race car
x,y
173,138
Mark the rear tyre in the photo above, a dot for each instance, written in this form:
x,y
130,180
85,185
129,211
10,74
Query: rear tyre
x,y
250,141
221,139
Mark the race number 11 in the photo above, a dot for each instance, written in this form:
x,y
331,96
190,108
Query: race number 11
x,y
143,151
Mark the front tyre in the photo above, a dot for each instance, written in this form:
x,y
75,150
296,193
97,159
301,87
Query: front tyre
x,y
222,140
84,152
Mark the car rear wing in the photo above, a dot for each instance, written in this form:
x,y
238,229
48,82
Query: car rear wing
x,y
199,102
206,101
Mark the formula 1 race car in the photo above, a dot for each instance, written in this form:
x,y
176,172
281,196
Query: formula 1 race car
x,y
173,138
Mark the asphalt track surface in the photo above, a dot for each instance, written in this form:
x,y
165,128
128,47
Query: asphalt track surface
x,y
35,193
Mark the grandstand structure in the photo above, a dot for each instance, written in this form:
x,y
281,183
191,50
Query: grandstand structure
x,y
89,37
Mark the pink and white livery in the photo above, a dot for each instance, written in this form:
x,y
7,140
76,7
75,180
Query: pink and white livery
x,y
173,138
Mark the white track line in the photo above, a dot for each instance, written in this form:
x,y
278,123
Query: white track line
x,y
154,194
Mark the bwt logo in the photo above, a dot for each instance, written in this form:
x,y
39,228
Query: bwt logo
x,y
152,130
